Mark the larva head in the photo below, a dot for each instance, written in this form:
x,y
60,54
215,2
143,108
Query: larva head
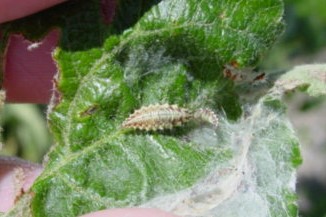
x,y
206,115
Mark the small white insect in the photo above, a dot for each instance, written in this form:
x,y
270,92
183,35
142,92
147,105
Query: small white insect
x,y
34,46
160,117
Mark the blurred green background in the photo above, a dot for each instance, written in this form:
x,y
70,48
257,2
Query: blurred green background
x,y
25,133
304,42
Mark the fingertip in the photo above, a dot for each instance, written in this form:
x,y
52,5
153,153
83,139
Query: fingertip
x,y
16,177
29,69
11,10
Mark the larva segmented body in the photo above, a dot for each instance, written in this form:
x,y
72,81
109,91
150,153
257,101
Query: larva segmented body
x,y
156,117
160,117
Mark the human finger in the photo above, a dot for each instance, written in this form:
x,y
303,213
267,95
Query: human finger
x,y
11,10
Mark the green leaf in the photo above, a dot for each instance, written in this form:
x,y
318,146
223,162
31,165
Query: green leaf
x,y
307,78
174,54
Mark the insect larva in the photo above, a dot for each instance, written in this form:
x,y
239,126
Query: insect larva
x,y
160,117
206,115
156,117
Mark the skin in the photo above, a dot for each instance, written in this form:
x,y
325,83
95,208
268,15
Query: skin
x,y
28,74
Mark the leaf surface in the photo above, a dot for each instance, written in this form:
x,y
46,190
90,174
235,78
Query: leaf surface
x,y
174,54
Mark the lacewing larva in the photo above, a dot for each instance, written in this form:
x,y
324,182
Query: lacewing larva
x,y
154,117
165,116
